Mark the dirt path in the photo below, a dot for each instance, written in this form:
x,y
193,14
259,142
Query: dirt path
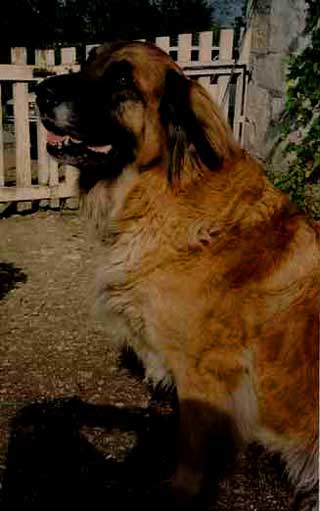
x,y
51,351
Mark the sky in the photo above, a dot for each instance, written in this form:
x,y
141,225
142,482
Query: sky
x,y
227,10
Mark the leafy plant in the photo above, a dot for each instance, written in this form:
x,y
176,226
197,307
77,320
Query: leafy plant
x,y
302,117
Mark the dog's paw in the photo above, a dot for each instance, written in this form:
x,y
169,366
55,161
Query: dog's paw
x,y
188,489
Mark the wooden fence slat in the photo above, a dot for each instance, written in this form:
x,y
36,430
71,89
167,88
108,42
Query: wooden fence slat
x,y
15,72
195,71
223,94
31,73
37,192
71,181
238,119
184,47
2,177
244,119
225,55
42,59
68,56
53,180
205,47
226,44
43,165
21,114
22,133
163,43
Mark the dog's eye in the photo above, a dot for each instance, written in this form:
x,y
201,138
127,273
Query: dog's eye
x,y
122,81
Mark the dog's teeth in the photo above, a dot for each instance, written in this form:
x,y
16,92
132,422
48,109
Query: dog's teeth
x,y
75,141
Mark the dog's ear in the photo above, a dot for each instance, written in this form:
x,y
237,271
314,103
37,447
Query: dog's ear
x,y
195,125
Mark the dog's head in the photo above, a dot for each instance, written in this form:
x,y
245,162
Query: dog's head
x,y
131,104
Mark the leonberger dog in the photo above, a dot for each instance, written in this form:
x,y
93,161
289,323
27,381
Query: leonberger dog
x,y
210,273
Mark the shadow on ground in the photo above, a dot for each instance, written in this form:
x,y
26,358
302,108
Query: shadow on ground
x,y
10,275
55,459
50,462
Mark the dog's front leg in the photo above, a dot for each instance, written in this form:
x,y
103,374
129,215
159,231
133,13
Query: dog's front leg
x,y
208,441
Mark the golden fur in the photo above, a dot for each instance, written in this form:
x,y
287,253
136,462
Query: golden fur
x,y
212,275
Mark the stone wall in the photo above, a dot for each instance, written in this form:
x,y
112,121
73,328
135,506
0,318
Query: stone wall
x,y
277,31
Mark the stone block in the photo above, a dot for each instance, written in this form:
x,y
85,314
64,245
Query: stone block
x,y
286,25
258,115
260,34
269,72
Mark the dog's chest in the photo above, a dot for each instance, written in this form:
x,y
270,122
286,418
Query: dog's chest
x,y
143,290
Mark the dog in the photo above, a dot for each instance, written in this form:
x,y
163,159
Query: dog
x,y
210,273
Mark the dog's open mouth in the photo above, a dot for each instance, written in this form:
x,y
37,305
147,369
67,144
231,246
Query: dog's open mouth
x,y
59,145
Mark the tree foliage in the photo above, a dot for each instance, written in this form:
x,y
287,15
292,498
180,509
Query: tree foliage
x,y
41,23
303,117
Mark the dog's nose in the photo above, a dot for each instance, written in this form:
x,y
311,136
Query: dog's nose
x,y
46,97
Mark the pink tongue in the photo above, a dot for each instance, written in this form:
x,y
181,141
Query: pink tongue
x,y
52,138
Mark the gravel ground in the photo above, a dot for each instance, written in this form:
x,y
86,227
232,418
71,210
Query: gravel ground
x,y
76,426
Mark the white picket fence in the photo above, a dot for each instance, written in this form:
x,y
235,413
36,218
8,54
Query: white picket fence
x,y
25,177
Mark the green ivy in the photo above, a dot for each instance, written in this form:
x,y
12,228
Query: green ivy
x,y
303,117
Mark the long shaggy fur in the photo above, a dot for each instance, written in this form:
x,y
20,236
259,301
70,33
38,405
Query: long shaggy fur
x,y
211,274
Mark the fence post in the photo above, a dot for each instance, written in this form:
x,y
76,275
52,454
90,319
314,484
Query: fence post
x,y
68,56
244,58
225,55
22,133
245,45
43,58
